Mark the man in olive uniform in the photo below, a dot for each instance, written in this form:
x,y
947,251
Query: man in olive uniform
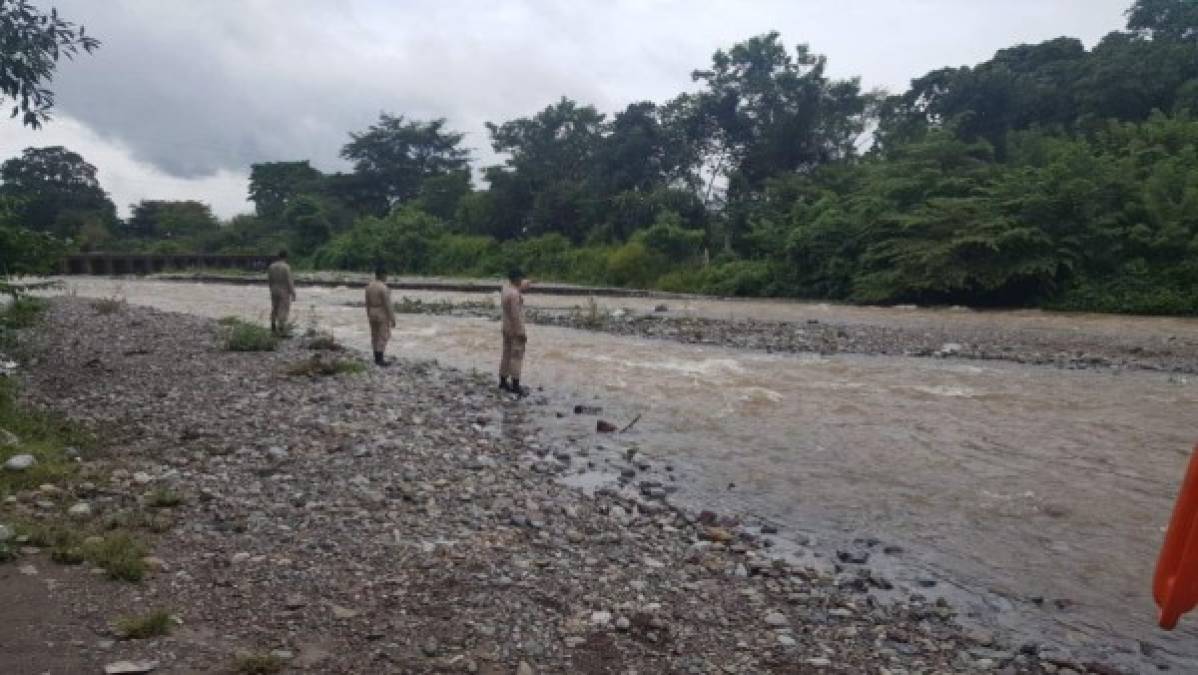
x,y
511,299
380,313
282,293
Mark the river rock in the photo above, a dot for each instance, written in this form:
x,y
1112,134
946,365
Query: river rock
x,y
130,667
20,462
6,533
80,511
852,557
776,619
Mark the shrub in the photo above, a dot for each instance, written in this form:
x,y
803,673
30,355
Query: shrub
x,y
633,265
257,664
154,624
243,336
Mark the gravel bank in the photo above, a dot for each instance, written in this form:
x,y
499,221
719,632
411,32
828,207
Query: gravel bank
x,y
409,520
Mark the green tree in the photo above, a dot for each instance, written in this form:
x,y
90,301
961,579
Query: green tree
x,y
54,190
273,185
164,219
31,43
768,113
395,156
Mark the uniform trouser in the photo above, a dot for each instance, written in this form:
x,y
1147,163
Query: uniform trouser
x,y
513,356
280,309
380,334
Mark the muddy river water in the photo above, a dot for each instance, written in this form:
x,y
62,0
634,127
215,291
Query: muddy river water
x,y
1035,496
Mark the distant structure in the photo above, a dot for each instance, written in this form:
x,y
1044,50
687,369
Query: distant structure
x,y
145,263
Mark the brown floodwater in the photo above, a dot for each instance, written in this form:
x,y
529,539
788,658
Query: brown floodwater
x,y
1006,483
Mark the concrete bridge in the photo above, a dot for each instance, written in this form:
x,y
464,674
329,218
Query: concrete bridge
x,y
149,263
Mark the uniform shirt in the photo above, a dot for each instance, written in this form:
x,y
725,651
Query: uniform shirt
x,y
278,277
512,302
378,302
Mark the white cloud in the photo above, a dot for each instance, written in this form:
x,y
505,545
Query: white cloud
x,y
129,180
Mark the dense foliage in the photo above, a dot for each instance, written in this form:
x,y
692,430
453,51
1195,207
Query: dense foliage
x,y
1050,175
31,42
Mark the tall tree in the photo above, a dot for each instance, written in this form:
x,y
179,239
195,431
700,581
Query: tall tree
x,y
396,155
160,219
1168,19
273,185
31,43
766,112
55,191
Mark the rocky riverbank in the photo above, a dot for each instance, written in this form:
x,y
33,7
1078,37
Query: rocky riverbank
x,y
1059,348
411,520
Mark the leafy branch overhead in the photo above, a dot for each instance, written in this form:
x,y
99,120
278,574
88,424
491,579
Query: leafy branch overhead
x,y
31,44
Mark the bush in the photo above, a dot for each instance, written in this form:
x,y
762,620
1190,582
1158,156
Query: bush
x,y
243,336
154,624
463,254
633,265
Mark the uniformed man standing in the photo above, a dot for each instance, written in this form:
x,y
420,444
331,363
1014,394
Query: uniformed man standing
x,y
511,299
282,293
380,313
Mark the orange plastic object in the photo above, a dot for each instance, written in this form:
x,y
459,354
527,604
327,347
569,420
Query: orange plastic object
x,y
1175,585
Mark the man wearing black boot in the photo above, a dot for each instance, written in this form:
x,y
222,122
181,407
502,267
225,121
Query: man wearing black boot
x,y
511,299
380,313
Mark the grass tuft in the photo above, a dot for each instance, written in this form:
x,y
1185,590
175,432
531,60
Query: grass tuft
x,y
243,336
110,305
120,554
325,367
154,624
257,664
164,498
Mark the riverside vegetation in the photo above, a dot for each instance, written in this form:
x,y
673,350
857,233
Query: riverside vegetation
x,y
1050,175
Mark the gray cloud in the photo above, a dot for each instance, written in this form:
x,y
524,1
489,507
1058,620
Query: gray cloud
x,y
196,88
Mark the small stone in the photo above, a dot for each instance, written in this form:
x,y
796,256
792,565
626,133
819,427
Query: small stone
x,y
80,511
275,452
142,478
240,557
430,648
6,533
574,536
852,557
776,619
600,618
130,667
343,612
819,662
28,570
786,640
19,462
574,641
282,654
604,427
623,624
294,601
525,669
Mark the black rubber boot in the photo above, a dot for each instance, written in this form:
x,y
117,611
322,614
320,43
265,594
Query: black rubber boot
x,y
503,383
378,359
517,389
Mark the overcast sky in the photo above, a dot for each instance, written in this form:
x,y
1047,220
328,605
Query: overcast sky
x,y
184,95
